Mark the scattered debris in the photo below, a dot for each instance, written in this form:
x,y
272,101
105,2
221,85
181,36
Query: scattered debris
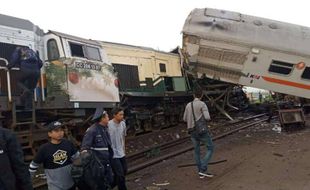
x,y
277,154
161,184
210,163
277,129
152,188
137,180
273,143
294,150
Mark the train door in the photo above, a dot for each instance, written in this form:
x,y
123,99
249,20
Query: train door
x,y
54,74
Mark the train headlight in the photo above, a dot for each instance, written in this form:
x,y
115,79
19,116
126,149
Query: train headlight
x,y
300,65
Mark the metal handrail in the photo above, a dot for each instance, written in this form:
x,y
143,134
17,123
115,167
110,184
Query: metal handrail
x,y
42,86
8,78
9,82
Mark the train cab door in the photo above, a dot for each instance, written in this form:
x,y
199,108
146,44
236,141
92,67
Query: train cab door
x,y
54,73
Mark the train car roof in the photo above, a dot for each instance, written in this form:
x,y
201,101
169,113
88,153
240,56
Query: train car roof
x,y
19,23
249,30
75,38
138,47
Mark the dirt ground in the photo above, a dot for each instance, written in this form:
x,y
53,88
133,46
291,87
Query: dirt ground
x,y
258,158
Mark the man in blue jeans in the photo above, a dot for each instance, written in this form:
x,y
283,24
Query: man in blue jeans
x,y
200,109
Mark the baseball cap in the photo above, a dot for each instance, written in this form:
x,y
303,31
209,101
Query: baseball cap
x,y
98,113
54,125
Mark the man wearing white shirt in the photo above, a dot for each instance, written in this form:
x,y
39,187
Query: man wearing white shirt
x,y
117,130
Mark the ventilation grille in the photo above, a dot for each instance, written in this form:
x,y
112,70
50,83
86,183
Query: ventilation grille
x,y
223,56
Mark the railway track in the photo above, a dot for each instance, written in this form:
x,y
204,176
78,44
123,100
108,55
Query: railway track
x,y
214,131
155,154
140,160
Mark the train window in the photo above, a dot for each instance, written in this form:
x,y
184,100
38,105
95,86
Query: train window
x,y
281,67
76,50
223,14
162,67
306,73
93,53
52,50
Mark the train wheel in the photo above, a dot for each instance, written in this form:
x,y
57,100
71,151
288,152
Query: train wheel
x,y
158,122
137,129
167,122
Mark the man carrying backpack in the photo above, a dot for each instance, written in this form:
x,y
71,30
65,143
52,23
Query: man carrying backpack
x,y
97,143
14,174
196,113
30,64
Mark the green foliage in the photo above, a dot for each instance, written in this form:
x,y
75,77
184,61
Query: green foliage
x,y
56,80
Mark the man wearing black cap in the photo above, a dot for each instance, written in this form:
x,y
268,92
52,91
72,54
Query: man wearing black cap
x,y
56,157
97,141
13,170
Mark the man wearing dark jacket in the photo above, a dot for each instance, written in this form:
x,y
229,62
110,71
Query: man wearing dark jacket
x,y
97,142
30,64
14,174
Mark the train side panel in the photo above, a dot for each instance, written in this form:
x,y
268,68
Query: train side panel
x,y
151,63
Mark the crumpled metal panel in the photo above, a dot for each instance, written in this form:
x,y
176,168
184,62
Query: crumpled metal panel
x,y
248,30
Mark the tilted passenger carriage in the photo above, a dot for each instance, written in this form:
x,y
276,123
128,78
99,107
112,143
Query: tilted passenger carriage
x,y
248,50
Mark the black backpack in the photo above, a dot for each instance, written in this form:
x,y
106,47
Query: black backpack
x,y
87,170
79,166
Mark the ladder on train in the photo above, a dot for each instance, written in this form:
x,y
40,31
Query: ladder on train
x,y
23,123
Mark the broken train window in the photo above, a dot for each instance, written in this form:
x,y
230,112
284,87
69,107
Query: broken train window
x,y
79,50
76,50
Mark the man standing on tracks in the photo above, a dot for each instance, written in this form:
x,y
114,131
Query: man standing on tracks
x,y
194,111
117,130
97,143
30,64
14,174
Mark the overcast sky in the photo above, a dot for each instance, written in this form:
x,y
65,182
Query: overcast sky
x,y
152,23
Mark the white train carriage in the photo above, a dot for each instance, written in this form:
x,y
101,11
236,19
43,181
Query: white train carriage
x,y
248,50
